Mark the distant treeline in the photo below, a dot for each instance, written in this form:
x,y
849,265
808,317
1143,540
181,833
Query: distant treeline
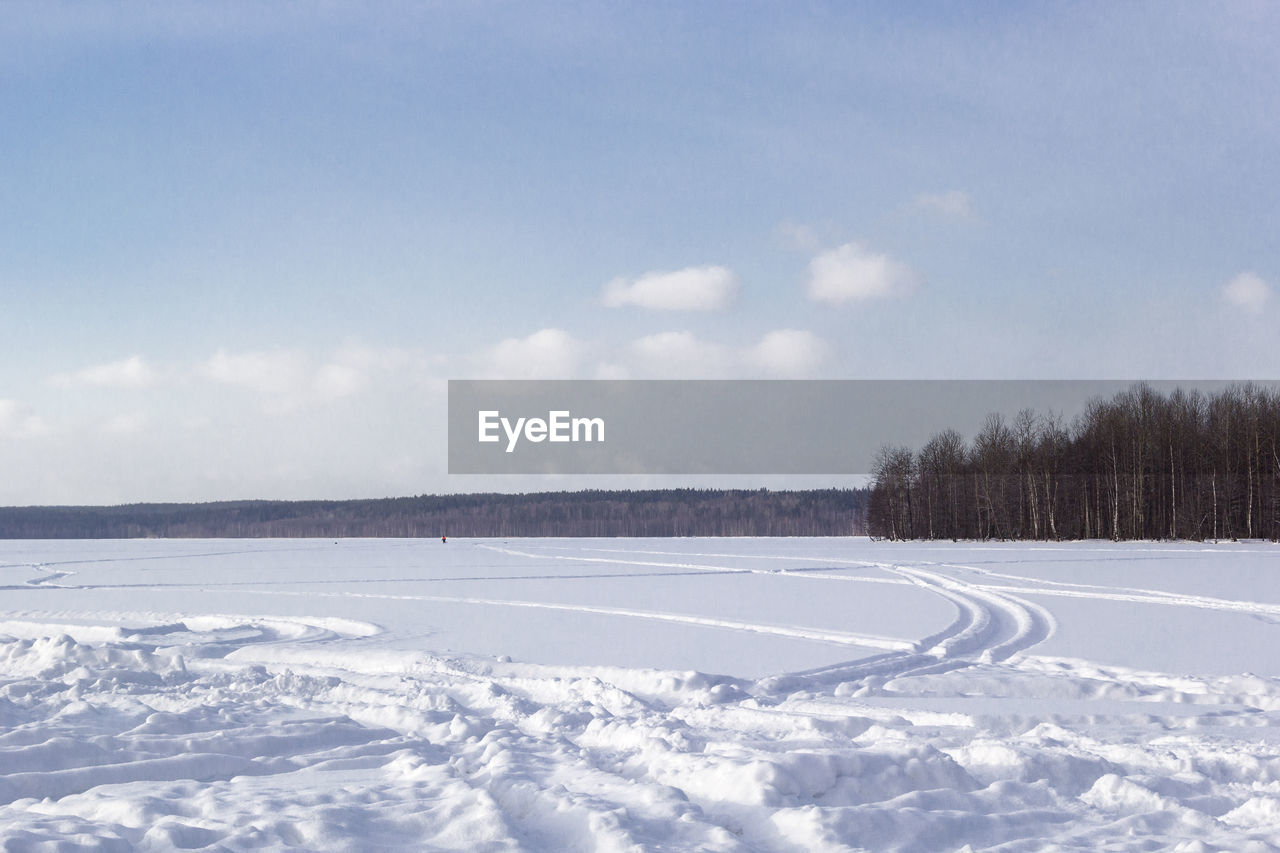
x,y
1141,465
669,512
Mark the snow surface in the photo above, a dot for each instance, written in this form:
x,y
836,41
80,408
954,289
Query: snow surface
x,y
631,694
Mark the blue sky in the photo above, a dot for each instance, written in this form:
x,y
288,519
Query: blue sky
x,y
243,245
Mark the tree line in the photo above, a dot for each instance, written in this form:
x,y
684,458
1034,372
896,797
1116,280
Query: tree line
x,y
1141,465
663,512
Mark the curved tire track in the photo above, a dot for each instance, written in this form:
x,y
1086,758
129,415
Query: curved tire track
x,y
992,626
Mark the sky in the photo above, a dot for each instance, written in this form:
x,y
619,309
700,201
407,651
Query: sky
x,y
243,246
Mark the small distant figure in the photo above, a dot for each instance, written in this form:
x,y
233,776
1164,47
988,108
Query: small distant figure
x,y
444,539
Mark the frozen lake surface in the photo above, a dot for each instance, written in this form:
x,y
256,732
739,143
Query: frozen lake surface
x,y
638,694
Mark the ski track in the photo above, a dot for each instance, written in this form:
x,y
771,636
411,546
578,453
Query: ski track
x,y
158,731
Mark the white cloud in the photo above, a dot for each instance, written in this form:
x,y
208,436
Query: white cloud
x,y
682,355
337,380
357,367
679,354
546,354
291,379
1247,291
789,352
267,371
19,420
131,372
952,204
853,273
691,289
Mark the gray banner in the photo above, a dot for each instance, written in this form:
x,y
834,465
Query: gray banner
x,y
736,426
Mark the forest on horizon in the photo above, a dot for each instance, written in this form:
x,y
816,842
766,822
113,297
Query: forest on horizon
x,y
1141,465
657,513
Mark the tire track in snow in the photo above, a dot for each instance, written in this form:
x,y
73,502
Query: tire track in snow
x,y
842,638
991,626
1028,585
735,570
1137,595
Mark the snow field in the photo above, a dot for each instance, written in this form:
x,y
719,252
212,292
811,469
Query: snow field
x,y
484,696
